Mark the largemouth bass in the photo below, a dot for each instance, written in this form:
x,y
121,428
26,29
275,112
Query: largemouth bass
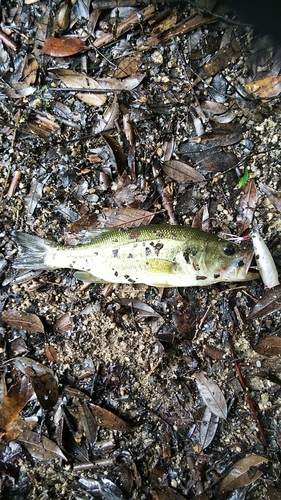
x,y
158,255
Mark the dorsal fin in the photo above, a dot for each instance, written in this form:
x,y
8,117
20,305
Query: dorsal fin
x,y
90,235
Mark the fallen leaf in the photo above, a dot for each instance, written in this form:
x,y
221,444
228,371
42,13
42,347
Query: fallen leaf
x,y
63,47
273,195
108,420
266,87
208,428
127,66
13,402
269,346
42,380
211,395
269,303
75,80
247,206
107,121
242,474
23,321
181,171
40,446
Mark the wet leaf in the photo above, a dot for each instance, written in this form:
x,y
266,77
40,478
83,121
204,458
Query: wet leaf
x,y
218,112
87,422
269,346
211,395
13,402
64,323
75,80
241,474
181,171
141,310
127,66
108,420
113,217
247,204
266,87
40,446
34,195
225,135
42,380
273,195
64,47
107,121
22,321
208,428
269,303
118,152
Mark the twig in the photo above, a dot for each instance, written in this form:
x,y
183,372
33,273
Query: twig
x,y
246,392
167,197
14,183
195,475
124,26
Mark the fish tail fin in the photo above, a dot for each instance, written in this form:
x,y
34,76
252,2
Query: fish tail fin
x,y
32,252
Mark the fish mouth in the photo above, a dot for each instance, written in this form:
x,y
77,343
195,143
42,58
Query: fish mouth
x,y
238,269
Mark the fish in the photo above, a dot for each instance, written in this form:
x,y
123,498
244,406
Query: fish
x,y
156,255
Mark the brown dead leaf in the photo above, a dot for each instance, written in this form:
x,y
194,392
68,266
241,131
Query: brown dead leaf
x,y
269,346
218,61
108,420
13,402
208,428
113,217
127,66
75,80
266,87
64,323
269,303
40,446
22,321
223,136
108,120
242,473
64,47
247,203
42,380
273,195
211,395
181,171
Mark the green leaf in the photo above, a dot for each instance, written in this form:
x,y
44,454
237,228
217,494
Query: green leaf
x,y
244,179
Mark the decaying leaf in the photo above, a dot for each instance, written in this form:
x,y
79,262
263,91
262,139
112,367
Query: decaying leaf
x,y
11,405
107,419
113,217
244,472
269,346
208,428
40,446
273,195
127,66
269,303
22,321
247,203
181,171
64,47
107,121
141,310
266,87
75,80
211,395
42,380
34,195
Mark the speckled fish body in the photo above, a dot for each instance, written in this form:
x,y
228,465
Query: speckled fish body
x,y
158,255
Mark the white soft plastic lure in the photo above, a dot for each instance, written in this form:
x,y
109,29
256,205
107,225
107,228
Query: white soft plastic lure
x,y
264,260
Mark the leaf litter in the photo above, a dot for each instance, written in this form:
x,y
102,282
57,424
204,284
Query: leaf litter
x,y
154,118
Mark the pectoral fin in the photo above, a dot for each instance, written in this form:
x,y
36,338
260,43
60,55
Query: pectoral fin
x,y
159,267
88,277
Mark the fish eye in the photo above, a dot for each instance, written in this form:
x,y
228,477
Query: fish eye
x,y
229,250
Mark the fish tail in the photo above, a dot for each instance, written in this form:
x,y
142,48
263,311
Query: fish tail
x,y
32,251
